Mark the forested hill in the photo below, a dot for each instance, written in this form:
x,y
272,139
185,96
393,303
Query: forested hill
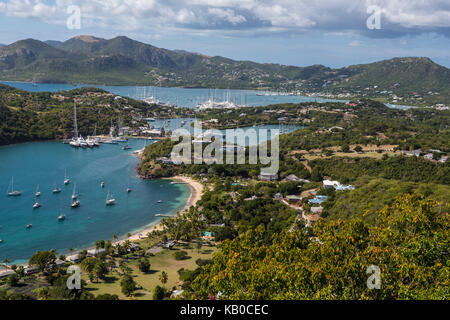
x,y
30,116
121,60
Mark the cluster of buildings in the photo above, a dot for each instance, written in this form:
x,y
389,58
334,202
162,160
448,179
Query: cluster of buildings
x,y
430,155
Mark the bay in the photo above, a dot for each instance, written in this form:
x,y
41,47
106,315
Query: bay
x,y
45,163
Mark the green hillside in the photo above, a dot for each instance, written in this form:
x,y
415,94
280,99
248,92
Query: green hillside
x,y
123,61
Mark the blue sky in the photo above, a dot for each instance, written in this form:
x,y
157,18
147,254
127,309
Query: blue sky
x,y
293,32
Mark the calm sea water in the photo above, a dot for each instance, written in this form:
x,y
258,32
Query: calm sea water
x,y
181,97
45,164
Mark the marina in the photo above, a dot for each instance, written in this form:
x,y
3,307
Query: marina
x,y
182,97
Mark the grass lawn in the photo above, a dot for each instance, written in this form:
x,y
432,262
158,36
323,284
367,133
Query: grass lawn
x,y
163,261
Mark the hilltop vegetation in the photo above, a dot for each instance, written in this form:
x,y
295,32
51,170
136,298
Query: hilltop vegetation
x,y
30,116
123,61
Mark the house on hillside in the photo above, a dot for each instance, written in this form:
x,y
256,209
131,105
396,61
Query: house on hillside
x,y
316,210
265,176
294,199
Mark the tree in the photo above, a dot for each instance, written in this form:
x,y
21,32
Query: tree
x,y
89,263
144,265
180,255
100,270
345,148
159,293
409,245
163,277
358,149
43,259
99,244
13,280
128,285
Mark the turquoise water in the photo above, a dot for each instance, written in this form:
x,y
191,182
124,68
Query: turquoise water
x,y
181,97
44,163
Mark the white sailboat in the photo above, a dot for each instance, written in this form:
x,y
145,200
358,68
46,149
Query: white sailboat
x,y
11,191
75,204
110,201
61,216
36,204
66,179
37,193
56,189
74,195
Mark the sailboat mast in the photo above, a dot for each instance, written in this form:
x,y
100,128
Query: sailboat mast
x,y
75,120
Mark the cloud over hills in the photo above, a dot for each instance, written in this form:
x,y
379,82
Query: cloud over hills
x,y
237,17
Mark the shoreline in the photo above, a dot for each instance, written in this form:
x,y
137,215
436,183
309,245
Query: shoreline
x,y
196,192
196,189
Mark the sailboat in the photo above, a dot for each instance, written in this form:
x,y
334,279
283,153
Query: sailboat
x,y
66,180
102,184
61,217
75,204
37,193
36,204
110,201
74,195
11,191
56,189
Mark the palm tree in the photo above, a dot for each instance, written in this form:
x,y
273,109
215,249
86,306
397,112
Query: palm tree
x,y
163,277
5,261
115,237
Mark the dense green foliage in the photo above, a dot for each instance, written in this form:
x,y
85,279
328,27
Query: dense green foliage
x,y
30,116
410,247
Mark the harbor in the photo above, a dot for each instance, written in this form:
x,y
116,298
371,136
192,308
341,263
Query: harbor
x,y
55,224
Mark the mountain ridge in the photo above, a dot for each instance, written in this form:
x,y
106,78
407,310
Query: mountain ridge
x,y
121,60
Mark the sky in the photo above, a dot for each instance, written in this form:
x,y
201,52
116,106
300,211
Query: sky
x,y
334,33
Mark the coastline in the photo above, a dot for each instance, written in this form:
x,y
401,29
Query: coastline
x,y
196,192
196,189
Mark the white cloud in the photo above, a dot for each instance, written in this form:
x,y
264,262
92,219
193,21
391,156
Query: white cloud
x,y
227,15
261,16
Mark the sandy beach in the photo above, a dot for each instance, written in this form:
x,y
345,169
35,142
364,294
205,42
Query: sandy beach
x,y
196,194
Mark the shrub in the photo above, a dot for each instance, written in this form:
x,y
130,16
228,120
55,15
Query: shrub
x,y
180,255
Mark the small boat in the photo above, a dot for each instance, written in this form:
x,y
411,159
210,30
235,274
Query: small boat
x,y
76,204
1,241
11,191
56,190
62,217
36,205
74,195
110,201
129,190
37,193
29,226
102,184
66,180
127,147
159,201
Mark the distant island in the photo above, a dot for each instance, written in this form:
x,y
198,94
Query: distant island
x,y
123,61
